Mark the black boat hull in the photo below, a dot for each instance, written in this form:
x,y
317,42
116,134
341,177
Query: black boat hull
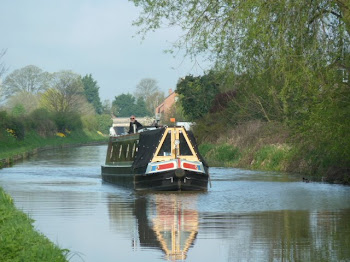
x,y
161,181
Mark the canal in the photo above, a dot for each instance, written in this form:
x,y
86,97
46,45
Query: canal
x,y
244,216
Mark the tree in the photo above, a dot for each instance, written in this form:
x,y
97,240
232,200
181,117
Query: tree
x,y
196,95
148,89
29,79
66,100
66,93
123,105
281,45
126,105
91,90
141,108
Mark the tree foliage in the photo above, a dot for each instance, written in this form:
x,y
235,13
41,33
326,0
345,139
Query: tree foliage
x,y
66,93
126,105
288,61
91,91
29,79
196,95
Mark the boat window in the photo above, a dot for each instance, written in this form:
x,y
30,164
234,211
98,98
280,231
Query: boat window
x,y
120,151
184,147
133,150
165,150
111,153
127,152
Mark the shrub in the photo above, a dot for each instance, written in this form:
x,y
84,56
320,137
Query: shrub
x,y
104,122
42,122
17,127
67,121
89,122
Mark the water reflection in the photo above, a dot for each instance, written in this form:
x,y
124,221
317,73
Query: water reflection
x,y
168,222
174,225
245,216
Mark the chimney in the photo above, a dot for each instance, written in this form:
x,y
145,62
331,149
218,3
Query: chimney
x,y
170,91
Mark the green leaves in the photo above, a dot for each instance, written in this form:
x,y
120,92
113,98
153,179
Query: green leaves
x,y
196,95
126,105
91,90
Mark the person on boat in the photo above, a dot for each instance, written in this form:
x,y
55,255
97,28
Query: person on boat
x,y
134,125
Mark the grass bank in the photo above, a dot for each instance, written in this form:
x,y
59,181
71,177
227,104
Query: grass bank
x,y
269,146
19,240
13,149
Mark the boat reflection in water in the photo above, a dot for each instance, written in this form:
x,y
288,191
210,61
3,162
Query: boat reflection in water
x,y
175,225
165,221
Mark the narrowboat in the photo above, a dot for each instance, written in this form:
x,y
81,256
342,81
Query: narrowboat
x,y
161,159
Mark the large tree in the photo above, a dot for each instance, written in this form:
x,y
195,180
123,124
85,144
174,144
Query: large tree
x,y
29,79
91,90
279,52
288,60
66,93
66,100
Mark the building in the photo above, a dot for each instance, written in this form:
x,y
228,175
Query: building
x,y
165,106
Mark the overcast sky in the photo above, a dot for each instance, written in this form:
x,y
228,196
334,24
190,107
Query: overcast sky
x,y
88,36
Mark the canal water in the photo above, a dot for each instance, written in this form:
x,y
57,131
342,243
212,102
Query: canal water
x,y
244,216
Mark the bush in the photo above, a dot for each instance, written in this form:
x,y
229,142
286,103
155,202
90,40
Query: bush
x,y
16,127
42,122
89,122
3,118
104,122
67,121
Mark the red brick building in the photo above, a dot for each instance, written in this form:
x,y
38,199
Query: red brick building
x,y
165,106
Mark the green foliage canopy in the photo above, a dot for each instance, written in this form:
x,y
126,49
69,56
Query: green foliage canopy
x,y
282,57
196,95
29,79
126,105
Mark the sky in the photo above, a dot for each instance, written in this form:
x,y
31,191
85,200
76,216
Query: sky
x,y
90,37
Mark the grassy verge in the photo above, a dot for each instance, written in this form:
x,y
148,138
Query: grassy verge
x,y
269,146
18,239
12,148
268,157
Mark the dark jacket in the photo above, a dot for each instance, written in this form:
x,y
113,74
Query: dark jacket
x,y
131,128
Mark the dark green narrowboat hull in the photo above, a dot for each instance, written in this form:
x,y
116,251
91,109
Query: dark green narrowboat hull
x,y
162,181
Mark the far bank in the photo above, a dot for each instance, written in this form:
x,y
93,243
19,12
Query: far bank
x,y
267,146
13,149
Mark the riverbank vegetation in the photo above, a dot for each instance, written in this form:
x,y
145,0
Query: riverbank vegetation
x,y
19,240
278,93
42,109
